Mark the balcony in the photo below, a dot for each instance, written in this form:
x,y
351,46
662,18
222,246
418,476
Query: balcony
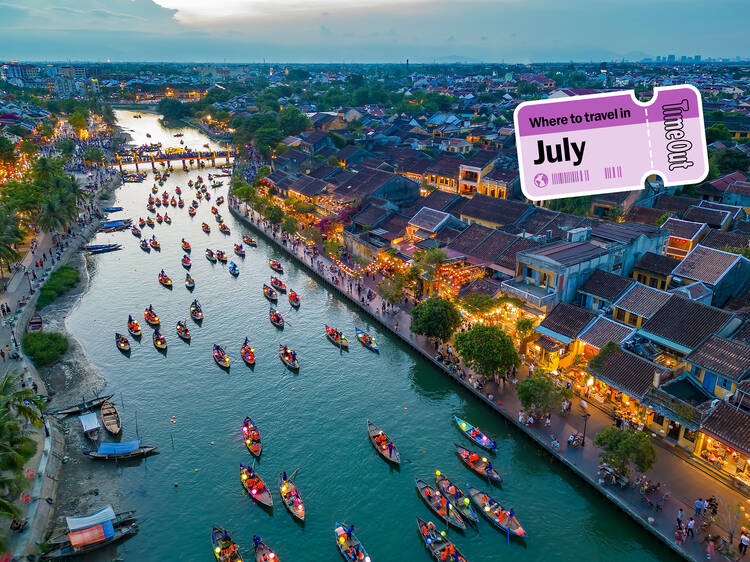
x,y
538,297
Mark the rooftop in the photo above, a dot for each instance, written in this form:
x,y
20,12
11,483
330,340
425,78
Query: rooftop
x,y
494,210
569,253
657,264
604,330
687,230
627,372
724,357
706,264
567,320
730,424
642,300
605,285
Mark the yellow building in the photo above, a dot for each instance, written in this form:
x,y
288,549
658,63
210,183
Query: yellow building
x,y
655,270
638,304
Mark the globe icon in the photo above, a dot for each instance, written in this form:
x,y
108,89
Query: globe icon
x,y
541,180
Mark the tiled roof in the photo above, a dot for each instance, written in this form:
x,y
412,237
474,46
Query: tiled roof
x,y
695,291
645,215
507,259
743,334
604,330
621,232
481,285
730,424
494,210
713,217
492,246
570,253
469,238
605,285
370,215
627,372
676,204
723,357
685,322
499,174
722,240
642,300
395,227
656,263
706,264
428,219
686,230
567,320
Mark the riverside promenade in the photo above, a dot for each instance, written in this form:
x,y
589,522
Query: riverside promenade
x,y
684,482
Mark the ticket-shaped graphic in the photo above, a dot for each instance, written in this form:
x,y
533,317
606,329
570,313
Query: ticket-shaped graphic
x,y
604,143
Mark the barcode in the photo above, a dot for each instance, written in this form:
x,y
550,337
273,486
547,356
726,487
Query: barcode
x,y
570,177
612,172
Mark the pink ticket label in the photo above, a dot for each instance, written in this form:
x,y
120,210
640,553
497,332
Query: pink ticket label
x,y
604,143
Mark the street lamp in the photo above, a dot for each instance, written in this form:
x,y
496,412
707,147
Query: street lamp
x,y
585,417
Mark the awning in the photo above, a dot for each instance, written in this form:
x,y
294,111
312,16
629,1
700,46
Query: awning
x,y
548,344
119,448
89,421
87,536
554,335
77,523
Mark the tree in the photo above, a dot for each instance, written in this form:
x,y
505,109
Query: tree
x,y
391,289
243,191
108,116
7,151
292,121
79,120
435,318
274,214
539,391
93,154
479,303
717,132
486,349
29,148
66,147
172,109
728,161
267,137
290,226
621,449
525,331
430,261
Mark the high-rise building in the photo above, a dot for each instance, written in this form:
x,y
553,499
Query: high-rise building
x,y
73,72
697,58
670,58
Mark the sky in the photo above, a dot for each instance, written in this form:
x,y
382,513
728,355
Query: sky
x,y
367,31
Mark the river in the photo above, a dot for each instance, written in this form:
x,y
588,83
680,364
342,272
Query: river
x,y
313,421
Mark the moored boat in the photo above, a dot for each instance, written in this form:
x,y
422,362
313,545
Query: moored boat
x,y
493,510
367,340
438,504
150,222
111,418
80,542
84,406
220,356
478,464
456,497
136,231
122,451
224,548
248,353
160,342
224,229
191,211
183,331
221,256
144,246
289,357
206,228
249,240
276,318
337,338
239,250
270,293
253,440
263,552
255,487
155,243
35,323
437,544
290,496
122,342
167,218
383,444
278,284
475,434
210,256
349,545
159,218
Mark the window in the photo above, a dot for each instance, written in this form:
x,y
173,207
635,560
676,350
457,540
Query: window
x,y
641,278
620,315
653,282
725,383
689,435
658,419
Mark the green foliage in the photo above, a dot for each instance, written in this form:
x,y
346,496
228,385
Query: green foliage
x,y
59,283
486,349
717,132
290,226
267,137
580,206
274,214
44,348
79,120
728,161
391,289
429,262
292,121
172,109
29,148
539,391
66,147
93,154
597,363
435,318
662,219
525,331
479,303
620,449
7,151
243,191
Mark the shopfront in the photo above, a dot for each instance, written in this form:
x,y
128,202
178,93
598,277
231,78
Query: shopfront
x,y
723,457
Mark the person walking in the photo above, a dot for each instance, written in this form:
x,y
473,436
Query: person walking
x,y
698,506
744,542
680,516
690,526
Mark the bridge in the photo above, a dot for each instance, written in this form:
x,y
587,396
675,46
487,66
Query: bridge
x,y
185,156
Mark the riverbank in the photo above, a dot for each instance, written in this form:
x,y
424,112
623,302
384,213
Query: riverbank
x,y
505,404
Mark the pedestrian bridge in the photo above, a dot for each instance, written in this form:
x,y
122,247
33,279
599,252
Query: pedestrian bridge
x,y
185,156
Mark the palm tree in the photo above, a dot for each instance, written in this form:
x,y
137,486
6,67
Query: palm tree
x,y
10,236
50,218
23,401
44,169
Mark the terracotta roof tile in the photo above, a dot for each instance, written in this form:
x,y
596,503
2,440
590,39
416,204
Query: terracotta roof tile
x,y
723,357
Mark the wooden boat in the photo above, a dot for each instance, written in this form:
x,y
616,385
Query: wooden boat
x,y
380,441
456,497
173,202
206,228
474,433
224,229
233,269
151,208
221,358
248,353
294,299
35,323
502,518
178,190
70,551
165,280
183,331
208,196
221,256
122,342
337,338
437,544
191,211
157,202
276,318
186,263
142,222
134,328
255,487
225,549
253,440
219,199
159,218
189,282
154,189
478,464
348,542
185,245
180,203
121,519
270,293
167,218
111,419
263,552
291,498
288,357
155,244
249,240
150,222
196,312
239,250
122,451
136,231
276,266
367,340
160,342
151,318
278,284
84,406
437,503
210,256
144,246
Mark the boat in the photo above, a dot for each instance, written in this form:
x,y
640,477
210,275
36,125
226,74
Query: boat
x,y
101,248
157,202
276,318
219,199
224,229
276,266
189,282
90,424
248,353
437,503
122,519
210,256
270,293
151,208
167,218
186,263
225,549
111,419
255,487
288,357
493,510
233,269
154,243
84,406
122,342
154,189
145,246
165,280
159,218
249,240
198,195
136,231
456,497
221,256
208,196
367,340
383,444
151,318
111,209
80,541
134,328
263,552
178,190
141,222
206,228
216,184
290,496
253,440
173,202
337,338
239,250
437,544
160,342
185,245
122,451
221,358
35,323
150,222
278,284
475,434
196,312
349,545
294,299
478,464
180,203
191,211
183,331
